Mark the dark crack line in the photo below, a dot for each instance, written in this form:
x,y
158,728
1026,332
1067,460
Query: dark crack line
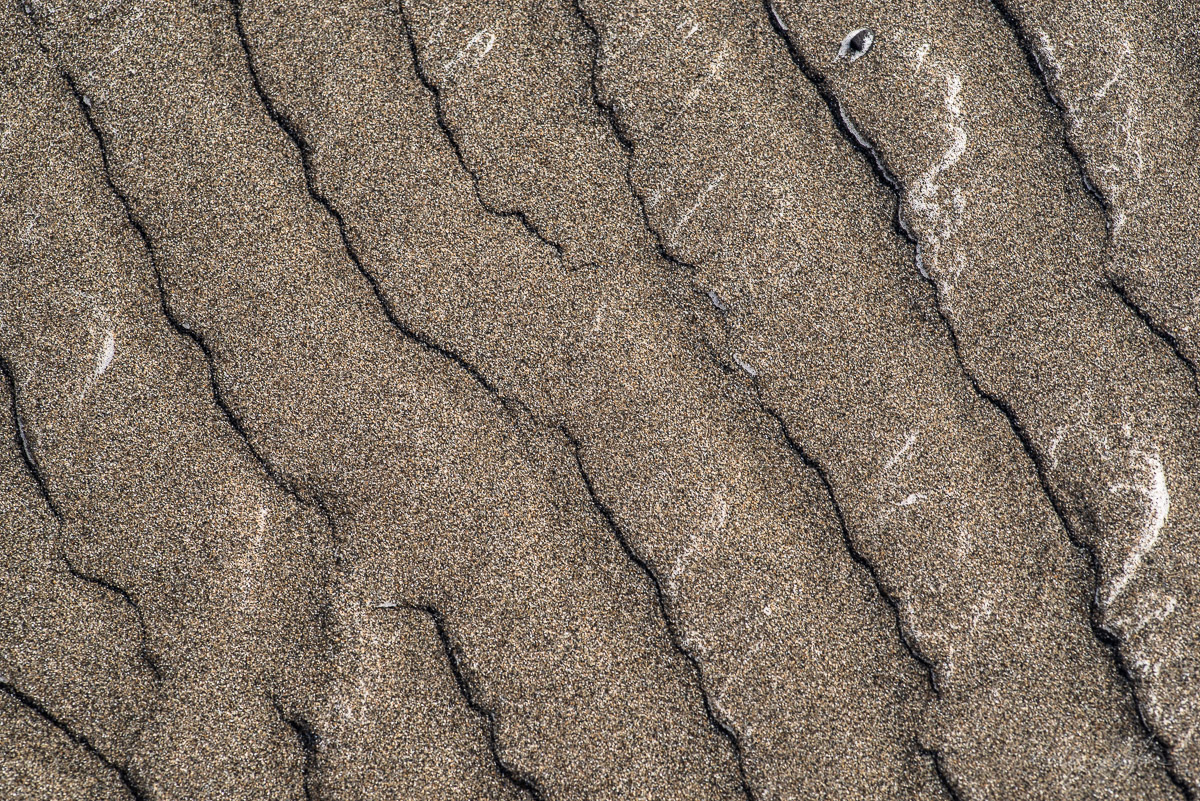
x,y
315,501
172,319
305,735
525,784
906,640
608,112
1157,330
125,596
1106,638
303,732
1043,77
440,118
231,417
309,745
292,131
810,462
34,471
80,740
722,728
27,457
845,125
939,770
1060,109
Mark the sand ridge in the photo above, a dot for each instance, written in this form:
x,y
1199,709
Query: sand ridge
x,y
576,400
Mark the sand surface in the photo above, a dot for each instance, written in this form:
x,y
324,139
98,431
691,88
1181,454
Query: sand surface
x,y
579,400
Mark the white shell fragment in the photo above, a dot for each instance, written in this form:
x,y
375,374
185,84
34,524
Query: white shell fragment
x,y
856,44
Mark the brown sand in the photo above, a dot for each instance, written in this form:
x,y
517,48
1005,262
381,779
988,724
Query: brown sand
x,y
579,400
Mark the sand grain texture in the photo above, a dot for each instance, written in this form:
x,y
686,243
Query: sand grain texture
x,y
567,400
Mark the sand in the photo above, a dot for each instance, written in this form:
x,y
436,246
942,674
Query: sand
x,y
578,400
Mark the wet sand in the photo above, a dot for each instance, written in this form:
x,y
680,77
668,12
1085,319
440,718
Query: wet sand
x,y
569,400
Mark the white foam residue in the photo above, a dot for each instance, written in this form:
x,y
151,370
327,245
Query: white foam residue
x,y
108,345
249,562
898,455
853,130
714,70
920,259
919,57
927,188
696,205
775,17
1047,59
1158,508
964,540
1060,434
691,26
980,611
441,27
105,356
1150,607
482,43
715,522
1125,170
1126,53
940,216
746,368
